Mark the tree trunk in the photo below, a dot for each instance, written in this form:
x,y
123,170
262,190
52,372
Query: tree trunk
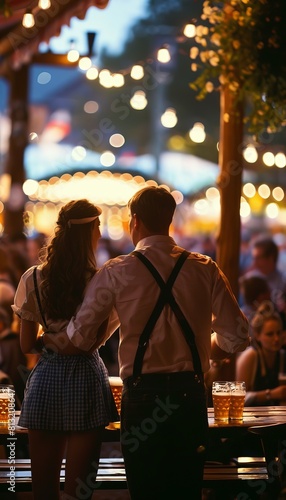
x,y
230,184
14,207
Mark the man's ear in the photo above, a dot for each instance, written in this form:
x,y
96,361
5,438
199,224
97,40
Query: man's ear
x,y
137,221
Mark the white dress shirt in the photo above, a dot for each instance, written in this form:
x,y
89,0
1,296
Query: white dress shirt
x,y
125,284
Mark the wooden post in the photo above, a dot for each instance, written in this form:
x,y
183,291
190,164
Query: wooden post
x,y
230,184
14,207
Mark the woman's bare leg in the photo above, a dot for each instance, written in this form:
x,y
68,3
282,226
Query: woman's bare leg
x,y
82,457
47,450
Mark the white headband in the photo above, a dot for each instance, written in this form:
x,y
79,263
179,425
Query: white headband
x,y
85,220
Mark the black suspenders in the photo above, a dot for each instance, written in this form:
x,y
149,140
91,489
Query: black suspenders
x,y
165,297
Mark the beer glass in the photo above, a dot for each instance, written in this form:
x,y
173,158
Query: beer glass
x,y
116,388
221,400
7,402
237,399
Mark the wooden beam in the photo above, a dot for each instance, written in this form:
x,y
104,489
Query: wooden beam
x,y
14,207
47,24
53,59
230,184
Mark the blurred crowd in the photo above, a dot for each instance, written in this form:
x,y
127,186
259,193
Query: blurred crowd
x,y
16,256
262,283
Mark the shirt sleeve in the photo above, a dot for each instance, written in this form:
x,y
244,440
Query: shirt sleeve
x,y
24,301
97,306
229,323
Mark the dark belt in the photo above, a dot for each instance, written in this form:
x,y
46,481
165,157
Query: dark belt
x,y
164,381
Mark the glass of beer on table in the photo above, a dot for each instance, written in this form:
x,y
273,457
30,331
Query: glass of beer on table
x,y
116,388
221,400
7,403
237,399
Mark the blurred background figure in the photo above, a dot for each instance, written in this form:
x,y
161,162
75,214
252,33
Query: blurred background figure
x,y
265,255
8,280
35,243
17,248
254,290
204,244
208,246
261,364
13,363
245,258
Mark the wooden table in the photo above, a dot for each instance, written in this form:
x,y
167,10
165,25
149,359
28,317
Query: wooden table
x,y
252,416
236,477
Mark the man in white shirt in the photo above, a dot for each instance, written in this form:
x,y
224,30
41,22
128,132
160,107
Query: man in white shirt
x,y
163,411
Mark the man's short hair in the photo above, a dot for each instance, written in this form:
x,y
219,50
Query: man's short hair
x,y
268,247
253,287
155,206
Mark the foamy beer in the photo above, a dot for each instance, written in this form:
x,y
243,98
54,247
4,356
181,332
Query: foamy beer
x,y
7,403
116,387
237,399
221,400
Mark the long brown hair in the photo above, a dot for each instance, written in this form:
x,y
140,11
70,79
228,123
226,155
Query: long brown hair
x,y
70,262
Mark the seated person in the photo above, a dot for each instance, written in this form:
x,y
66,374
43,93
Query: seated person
x,y
13,363
260,364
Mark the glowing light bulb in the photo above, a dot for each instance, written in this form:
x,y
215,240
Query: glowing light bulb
x,y
28,19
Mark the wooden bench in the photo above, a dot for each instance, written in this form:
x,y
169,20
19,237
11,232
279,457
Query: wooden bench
x,y
111,475
244,477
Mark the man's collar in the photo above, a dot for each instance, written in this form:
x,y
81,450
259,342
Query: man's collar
x,y
155,239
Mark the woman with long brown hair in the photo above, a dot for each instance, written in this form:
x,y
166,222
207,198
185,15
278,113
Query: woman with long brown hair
x,y
67,400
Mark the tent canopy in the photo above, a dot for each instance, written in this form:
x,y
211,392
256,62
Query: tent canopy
x,y
18,44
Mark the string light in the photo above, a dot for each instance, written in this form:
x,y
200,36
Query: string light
x,y
44,4
118,80
250,154
163,55
137,72
105,78
84,63
73,55
139,101
197,133
28,19
92,73
268,159
169,118
280,160
190,30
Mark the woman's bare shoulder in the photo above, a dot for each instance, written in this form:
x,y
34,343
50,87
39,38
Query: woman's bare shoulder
x,y
250,354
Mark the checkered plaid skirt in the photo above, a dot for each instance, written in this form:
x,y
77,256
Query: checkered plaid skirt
x,y
68,393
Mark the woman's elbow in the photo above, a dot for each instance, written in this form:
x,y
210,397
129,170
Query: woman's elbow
x,y
27,347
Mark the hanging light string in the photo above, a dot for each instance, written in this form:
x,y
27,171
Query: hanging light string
x,y
29,18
